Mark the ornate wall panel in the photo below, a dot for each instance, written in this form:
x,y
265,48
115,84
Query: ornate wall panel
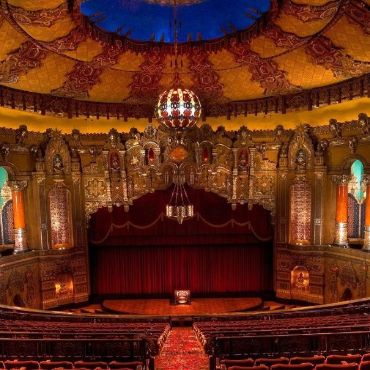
x,y
60,217
300,211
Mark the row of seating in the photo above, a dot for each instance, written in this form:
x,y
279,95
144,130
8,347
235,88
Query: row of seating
x,y
293,362
80,365
206,331
306,366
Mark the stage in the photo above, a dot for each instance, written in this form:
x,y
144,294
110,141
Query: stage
x,y
198,306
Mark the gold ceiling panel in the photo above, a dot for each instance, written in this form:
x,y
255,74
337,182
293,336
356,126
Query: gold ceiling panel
x,y
238,84
265,47
290,23
129,61
118,83
36,4
61,28
223,60
86,50
167,80
10,40
350,37
182,64
49,76
301,72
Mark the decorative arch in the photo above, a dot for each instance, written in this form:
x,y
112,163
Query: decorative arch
x,y
347,163
57,156
61,231
301,140
356,198
6,208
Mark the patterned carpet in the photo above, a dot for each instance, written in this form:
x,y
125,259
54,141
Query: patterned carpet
x,y
182,351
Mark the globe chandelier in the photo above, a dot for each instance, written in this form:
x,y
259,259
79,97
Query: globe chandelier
x,y
178,109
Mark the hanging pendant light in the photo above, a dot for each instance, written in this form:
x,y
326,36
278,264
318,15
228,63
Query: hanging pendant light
x,y
177,108
179,208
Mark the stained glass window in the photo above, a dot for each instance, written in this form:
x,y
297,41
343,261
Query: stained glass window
x,y
6,208
356,197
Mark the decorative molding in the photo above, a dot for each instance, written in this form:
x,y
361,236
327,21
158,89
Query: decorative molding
x,y
309,13
146,83
323,52
206,80
41,18
307,99
264,71
28,56
86,74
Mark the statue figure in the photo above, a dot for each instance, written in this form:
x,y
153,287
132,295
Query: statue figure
x,y
58,166
301,160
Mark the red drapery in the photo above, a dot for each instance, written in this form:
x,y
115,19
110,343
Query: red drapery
x,y
143,252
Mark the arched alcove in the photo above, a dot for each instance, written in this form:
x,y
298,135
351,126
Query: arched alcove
x,y
356,197
6,207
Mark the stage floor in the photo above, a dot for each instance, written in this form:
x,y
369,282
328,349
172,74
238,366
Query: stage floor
x,y
198,306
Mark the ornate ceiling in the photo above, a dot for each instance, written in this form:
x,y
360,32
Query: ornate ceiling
x,y
154,19
280,63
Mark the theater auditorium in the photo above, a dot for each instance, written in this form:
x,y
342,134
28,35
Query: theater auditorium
x,y
185,184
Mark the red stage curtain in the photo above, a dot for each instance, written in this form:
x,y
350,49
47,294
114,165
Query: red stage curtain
x,y
143,252
161,270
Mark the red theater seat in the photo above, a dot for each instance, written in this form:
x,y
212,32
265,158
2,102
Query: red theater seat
x,y
15,364
311,359
366,357
48,365
352,366
338,359
364,365
303,366
271,361
117,365
247,362
90,365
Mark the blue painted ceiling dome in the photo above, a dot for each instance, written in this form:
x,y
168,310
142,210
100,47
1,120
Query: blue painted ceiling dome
x,y
152,20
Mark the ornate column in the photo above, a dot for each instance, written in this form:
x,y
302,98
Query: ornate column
x,y
19,216
366,245
341,212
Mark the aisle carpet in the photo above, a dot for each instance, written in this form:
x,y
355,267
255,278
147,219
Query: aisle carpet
x,y
182,351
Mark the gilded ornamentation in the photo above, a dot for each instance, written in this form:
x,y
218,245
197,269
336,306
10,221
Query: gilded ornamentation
x,y
266,72
207,81
60,217
146,83
86,74
308,13
322,51
28,56
57,157
42,18
301,151
69,42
